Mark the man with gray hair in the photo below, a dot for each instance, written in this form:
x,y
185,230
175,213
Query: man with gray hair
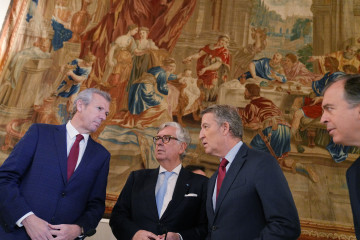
x,y
248,197
166,202
341,114
53,184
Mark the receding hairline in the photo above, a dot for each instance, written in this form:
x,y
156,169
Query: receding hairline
x,y
341,79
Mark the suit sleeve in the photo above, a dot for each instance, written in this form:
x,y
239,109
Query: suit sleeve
x,y
282,220
352,178
95,206
120,221
200,230
12,204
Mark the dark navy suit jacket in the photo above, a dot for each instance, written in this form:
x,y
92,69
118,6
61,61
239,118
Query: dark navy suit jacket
x,y
254,201
353,182
136,206
34,178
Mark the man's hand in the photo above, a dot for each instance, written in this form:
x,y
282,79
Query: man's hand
x,y
170,236
36,228
144,235
65,231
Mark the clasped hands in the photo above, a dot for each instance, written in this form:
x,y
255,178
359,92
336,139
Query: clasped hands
x,y
38,229
146,235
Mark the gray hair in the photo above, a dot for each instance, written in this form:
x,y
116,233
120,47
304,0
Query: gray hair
x,y
86,96
181,133
351,88
229,114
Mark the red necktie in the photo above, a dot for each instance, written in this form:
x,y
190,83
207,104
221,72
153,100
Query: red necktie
x,y
221,175
73,156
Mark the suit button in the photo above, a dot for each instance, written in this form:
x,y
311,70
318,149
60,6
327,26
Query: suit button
x,y
63,194
213,228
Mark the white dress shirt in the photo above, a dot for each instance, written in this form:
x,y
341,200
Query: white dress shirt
x,y
230,156
71,133
170,187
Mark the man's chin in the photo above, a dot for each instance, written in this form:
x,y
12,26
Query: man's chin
x,y
159,156
207,150
338,140
93,130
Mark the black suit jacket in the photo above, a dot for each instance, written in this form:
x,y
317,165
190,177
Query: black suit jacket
x,y
353,178
136,206
254,201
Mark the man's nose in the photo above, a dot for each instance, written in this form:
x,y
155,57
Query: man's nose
x,y
201,135
103,116
159,142
323,118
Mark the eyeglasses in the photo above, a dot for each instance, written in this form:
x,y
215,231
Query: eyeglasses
x,y
165,139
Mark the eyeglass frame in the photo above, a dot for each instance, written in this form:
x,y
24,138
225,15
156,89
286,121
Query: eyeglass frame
x,y
156,138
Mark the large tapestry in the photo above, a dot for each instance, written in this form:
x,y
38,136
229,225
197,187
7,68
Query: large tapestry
x,y
165,60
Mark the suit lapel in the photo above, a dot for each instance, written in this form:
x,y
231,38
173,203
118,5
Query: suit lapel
x,y
210,191
149,191
60,141
181,187
89,155
230,176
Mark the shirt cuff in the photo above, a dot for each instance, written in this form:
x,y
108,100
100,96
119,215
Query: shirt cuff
x,y
19,222
180,236
82,232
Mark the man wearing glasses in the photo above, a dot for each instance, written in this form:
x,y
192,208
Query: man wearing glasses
x,y
163,203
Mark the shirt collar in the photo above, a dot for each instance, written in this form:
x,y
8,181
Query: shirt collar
x,y
175,170
71,130
230,156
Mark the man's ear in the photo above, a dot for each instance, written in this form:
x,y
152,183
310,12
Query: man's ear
x,y
183,147
79,105
225,128
358,111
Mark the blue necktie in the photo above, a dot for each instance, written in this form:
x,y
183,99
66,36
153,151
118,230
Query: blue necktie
x,y
161,193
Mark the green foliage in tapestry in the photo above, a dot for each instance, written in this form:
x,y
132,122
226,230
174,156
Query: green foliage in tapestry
x,y
304,54
301,28
261,16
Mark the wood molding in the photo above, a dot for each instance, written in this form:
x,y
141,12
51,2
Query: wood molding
x,y
324,230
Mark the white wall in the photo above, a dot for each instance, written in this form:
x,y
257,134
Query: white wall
x,y
103,231
3,9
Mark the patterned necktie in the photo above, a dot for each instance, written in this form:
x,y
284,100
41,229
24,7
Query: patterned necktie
x,y
73,156
221,175
161,193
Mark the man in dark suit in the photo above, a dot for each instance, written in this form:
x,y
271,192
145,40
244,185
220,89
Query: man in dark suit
x,y
42,196
142,213
248,197
341,114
